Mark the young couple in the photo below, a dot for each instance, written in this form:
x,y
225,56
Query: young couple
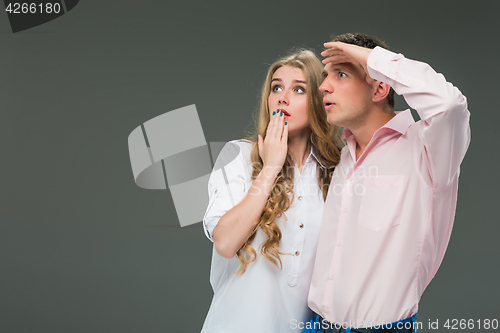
x,y
316,237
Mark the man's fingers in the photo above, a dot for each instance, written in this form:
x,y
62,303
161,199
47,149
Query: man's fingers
x,y
336,60
330,52
330,45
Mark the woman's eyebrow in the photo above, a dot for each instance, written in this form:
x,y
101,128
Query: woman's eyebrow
x,y
296,81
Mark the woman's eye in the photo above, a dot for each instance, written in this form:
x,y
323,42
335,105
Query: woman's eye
x,y
276,88
300,90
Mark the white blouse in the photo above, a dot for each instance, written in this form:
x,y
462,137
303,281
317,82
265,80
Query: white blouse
x,y
265,299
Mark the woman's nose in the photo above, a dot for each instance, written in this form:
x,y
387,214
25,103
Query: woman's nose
x,y
283,98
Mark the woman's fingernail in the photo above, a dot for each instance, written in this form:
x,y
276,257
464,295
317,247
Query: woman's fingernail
x,y
281,114
285,123
274,112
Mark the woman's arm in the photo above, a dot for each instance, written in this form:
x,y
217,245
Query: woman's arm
x,y
235,226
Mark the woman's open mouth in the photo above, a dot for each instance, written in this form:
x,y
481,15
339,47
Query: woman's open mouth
x,y
285,114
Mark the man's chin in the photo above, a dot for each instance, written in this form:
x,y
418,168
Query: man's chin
x,y
334,121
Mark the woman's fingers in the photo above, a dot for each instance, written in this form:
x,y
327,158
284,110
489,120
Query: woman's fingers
x,y
273,148
271,128
260,144
284,137
275,129
279,126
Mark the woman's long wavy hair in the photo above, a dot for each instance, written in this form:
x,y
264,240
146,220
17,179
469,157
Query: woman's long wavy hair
x,y
324,138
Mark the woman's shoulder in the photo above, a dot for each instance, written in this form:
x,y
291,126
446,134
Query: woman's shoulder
x,y
243,146
244,143
235,153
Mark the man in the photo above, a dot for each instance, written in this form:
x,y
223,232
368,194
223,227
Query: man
x,y
391,203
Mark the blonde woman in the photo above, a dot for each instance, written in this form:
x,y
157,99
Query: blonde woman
x,y
266,203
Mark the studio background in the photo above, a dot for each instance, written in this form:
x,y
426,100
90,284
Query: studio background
x,y
83,249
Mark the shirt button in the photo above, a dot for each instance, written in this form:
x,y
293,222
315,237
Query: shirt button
x,y
344,210
301,225
300,198
297,253
339,243
331,277
216,190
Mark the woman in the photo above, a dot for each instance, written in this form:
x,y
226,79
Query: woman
x,y
266,203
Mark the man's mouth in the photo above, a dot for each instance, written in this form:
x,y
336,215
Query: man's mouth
x,y
328,104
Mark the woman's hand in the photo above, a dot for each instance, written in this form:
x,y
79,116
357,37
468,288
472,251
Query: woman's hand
x,y
273,148
237,224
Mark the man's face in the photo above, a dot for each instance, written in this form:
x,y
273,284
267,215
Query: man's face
x,y
347,95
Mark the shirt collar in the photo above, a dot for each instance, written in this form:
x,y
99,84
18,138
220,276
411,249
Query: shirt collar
x,y
313,153
399,123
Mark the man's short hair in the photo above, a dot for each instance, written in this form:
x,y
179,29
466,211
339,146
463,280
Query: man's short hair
x,y
369,42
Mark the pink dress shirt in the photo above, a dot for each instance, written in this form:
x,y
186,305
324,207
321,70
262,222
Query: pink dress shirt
x,y
388,215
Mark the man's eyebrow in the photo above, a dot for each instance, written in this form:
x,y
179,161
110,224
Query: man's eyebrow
x,y
334,69
343,67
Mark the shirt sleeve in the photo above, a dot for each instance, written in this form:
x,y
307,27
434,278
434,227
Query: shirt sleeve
x,y
444,130
227,185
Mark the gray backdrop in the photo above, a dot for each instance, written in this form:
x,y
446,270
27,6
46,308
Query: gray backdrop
x,y
83,249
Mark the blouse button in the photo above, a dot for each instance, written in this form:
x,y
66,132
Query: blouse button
x,y
297,253
300,198
216,190
301,225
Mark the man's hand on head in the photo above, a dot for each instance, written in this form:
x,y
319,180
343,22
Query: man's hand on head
x,y
338,52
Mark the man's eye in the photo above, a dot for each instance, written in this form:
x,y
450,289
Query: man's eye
x,y
342,74
276,88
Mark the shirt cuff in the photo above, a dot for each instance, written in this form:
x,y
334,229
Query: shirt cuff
x,y
379,61
388,67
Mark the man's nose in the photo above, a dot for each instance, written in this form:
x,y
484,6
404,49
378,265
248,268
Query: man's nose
x,y
326,87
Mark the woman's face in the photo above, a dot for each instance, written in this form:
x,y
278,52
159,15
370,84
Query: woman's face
x,y
288,93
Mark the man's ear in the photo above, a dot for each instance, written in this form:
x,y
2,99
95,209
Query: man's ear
x,y
381,91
